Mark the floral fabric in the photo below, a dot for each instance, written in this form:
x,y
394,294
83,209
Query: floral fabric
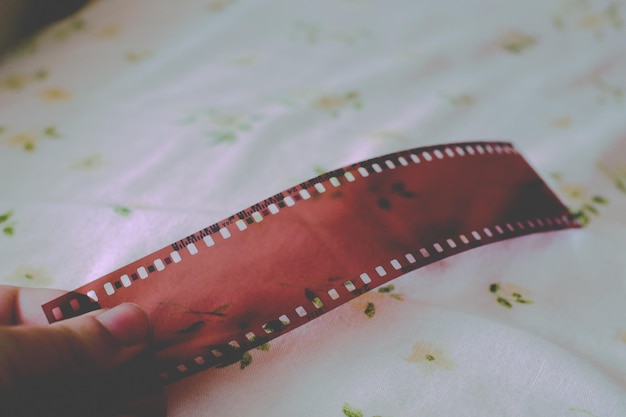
x,y
132,124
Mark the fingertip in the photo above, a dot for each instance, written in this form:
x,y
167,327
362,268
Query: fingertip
x,y
128,323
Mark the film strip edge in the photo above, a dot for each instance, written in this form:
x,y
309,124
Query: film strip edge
x,y
271,206
233,351
75,304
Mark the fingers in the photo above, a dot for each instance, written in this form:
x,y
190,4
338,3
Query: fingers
x,y
92,342
79,362
23,305
22,18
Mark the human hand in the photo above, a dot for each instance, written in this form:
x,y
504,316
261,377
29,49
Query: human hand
x,y
97,364
21,18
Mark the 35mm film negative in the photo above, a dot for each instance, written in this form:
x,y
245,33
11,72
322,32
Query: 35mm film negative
x,y
290,258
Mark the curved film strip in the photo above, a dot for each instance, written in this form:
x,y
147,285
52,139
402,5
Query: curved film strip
x,y
294,256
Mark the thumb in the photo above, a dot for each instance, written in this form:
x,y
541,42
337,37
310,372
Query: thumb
x,y
71,355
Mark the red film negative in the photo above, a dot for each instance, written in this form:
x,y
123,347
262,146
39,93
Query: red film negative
x,y
286,260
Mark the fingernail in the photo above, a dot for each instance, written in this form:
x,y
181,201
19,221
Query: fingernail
x,y
127,323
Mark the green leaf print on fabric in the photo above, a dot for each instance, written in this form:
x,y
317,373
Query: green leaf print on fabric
x,y
390,290
265,347
122,211
319,170
350,411
8,227
246,358
507,294
6,216
51,132
368,303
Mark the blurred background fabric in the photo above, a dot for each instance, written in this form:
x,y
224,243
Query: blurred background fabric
x,y
126,126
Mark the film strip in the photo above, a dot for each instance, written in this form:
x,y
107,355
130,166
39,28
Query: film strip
x,y
287,260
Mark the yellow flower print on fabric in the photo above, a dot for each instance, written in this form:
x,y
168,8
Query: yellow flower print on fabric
x,y
306,32
28,141
563,122
620,336
608,93
245,60
367,303
55,94
334,103
59,32
462,100
69,27
311,33
223,126
581,411
616,172
25,141
30,275
91,163
429,356
585,205
517,42
17,81
109,32
580,14
219,5
136,57
387,136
